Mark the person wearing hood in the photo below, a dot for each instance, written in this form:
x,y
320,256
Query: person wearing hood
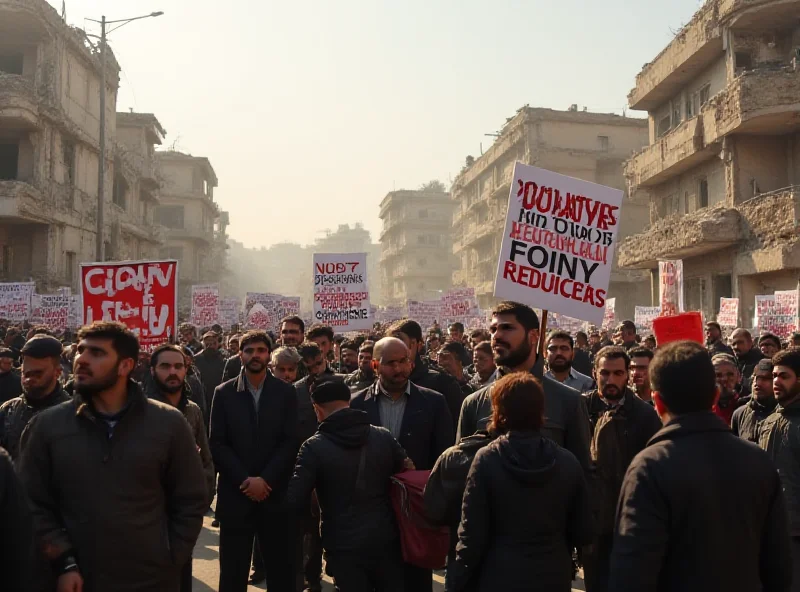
x,y
747,418
168,368
10,381
526,503
620,424
41,370
358,532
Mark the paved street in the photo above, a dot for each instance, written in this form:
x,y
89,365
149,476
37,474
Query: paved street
x,y
206,565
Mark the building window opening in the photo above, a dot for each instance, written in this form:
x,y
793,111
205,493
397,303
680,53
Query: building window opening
x,y
9,161
702,193
11,63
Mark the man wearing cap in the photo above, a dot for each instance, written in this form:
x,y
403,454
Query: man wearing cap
x,y
41,369
747,418
210,363
350,462
10,382
714,343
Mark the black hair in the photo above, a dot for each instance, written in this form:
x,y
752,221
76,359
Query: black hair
x,y
348,344
524,314
559,334
485,347
255,336
641,352
455,348
294,320
457,326
309,350
612,352
684,377
789,358
124,342
407,327
320,330
162,348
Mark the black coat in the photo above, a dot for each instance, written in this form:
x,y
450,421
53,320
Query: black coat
x,y
16,535
10,386
211,364
427,429
17,413
698,497
233,367
426,377
328,461
526,505
582,362
306,418
249,444
747,418
747,365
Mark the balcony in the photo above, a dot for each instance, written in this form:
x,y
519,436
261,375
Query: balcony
x,y
150,174
19,109
763,101
193,234
22,200
477,234
682,236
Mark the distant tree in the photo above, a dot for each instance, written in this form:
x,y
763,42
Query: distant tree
x,y
434,186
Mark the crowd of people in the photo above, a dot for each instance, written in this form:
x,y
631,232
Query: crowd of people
x,y
650,467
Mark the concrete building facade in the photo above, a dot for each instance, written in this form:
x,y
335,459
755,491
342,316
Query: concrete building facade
x,y
416,255
49,145
722,169
580,144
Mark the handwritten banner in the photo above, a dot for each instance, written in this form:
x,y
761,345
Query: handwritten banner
x,y
426,313
205,305
777,313
229,312
643,317
15,301
609,314
728,312
341,295
670,276
50,310
274,307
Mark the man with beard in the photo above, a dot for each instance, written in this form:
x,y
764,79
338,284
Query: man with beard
x,y
582,359
168,368
621,425
41,370
365,375
284,362
769,344
450,359
417,417
254,444
515,338
349,351
747,419
640,373
728,380
211,365
115,481
10,382
779,436
410,333
747,356
560,353
714,342
483,361
188,333
627,335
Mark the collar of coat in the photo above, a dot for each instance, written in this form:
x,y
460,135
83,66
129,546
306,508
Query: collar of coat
x,y
136,398
374,391
792,408
154,393
688,424
241,382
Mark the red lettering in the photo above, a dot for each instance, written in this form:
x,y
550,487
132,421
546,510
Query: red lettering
x,y
509,270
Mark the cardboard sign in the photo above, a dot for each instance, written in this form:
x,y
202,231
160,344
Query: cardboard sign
x,y
670,276
141,294
275,307
728,312
341,293
643,317
558,243
50,310
15,301
681,327
205,305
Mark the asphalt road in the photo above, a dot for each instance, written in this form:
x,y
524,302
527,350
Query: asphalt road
x,y
206,565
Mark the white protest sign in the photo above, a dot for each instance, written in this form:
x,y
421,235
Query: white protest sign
x,y
609,313
558,243
228,312
670,275
15,301
643,317
458,305
728,312
205,305
50,310
426,313
341,295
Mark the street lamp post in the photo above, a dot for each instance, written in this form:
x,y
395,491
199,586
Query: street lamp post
x,y
101,169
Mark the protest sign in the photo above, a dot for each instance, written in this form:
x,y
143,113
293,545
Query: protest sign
x,y
205,305
50,310
274,306
75,312
140,294
765,310
609,314
229,312
458,305
783,321
643,317
568,324
558,243
728,312
688,325
670,281
426,312
15,301
258,317
341,295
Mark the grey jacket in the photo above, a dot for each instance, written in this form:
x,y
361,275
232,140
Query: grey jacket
x,y
779,435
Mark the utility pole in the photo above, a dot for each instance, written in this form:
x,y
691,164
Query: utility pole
x,y
101,169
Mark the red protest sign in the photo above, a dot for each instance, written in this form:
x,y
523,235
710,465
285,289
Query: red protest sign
x,y
141,294
681,327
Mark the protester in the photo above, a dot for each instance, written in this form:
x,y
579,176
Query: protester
x,y
621,425
560,354
627,333
10,381
432,345
233,344
188,333
639,373
582,358
714,341
515,338
483,362
115,481
323,336
526,503
41,370
365,375
16,535
349,363
168,367
455,332
358,530
451,355
650,343
769,344
747,356
417,417
477,336
779,435
210,362
747,419
686,502
284,362
254,444
233,365
730,386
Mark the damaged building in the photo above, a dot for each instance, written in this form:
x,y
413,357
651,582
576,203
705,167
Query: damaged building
x,y
722,171
577,143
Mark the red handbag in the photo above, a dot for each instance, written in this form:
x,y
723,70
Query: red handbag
x,y
423,544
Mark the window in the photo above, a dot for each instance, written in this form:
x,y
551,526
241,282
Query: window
x,y
603,140
6,263
421,239
676,113
11,63
704,94
743,60
664,125
722,286
170,216
690,106
119,194
9,161
69,262
68,154
702,193
686,207
423,214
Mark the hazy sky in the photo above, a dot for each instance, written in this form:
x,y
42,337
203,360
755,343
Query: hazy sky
x,y
310,112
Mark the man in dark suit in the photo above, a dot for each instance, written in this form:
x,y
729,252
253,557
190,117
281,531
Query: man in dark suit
x,y
254,445
417,417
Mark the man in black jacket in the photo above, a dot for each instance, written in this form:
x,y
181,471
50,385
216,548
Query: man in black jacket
x,y
687,499
747,356
621,424
747,418
210,363
41,370
417,417
16,535
365,375
358,531
410,333
254,444
10,382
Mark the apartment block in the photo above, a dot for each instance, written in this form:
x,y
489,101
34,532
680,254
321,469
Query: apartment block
x,y
416,245
722,168
577,143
